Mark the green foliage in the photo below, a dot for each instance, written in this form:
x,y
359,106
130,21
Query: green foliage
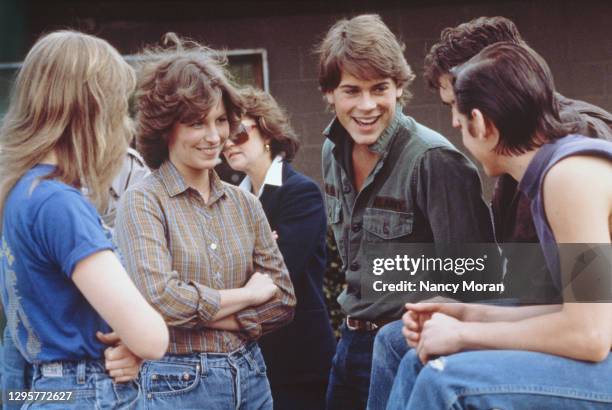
x,y
333,283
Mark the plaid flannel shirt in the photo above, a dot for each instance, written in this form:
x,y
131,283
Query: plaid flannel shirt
x,y
180,251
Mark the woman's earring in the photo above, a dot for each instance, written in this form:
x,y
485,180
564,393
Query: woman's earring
x,y
267,147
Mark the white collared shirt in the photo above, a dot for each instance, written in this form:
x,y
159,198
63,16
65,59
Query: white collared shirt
x,y
274,177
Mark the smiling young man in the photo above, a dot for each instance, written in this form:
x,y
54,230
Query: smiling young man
x,y
388,179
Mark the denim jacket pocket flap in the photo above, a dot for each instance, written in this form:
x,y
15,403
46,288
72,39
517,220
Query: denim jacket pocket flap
x,y
387,224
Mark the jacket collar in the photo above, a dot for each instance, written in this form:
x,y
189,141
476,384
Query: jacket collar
x,y
274,177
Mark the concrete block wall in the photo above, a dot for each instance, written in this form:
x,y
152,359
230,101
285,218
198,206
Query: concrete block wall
x,y
575,37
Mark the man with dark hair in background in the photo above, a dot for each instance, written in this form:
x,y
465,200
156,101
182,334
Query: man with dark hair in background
x,y
553,356
527,279
510,208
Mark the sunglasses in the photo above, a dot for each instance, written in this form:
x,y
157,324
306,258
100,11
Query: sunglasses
x,y
242,134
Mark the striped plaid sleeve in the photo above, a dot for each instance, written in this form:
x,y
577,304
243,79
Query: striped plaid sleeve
x,y
278,311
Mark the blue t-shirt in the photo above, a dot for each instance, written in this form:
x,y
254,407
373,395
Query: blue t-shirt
x,y
48,228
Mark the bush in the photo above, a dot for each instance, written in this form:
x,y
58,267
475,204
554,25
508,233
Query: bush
x,y
333,283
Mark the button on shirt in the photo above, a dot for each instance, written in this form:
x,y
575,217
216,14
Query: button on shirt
x,y
180,251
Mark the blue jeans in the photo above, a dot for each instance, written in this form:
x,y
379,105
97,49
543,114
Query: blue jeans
x,y
89,383
1,371
300,396
389,349
16,372
214,381
502,379
349,379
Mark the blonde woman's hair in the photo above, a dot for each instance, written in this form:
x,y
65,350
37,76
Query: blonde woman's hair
x,y
71,98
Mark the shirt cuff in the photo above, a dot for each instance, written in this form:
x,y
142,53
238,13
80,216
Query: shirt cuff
x,y
209,302
248,320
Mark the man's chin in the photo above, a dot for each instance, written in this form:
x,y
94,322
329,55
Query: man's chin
x,y
365,139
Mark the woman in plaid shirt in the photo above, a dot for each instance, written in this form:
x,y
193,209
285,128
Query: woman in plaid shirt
x,y
200,250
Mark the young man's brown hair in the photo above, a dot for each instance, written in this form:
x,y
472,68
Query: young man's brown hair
x,y
364,47
458,44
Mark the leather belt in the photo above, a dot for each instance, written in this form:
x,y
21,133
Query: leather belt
x,y
365,325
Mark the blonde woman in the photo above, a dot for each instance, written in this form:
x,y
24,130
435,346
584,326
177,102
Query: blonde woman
x,y
201,250
67,128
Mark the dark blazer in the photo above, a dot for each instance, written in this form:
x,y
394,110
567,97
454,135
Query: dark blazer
x,y
303,350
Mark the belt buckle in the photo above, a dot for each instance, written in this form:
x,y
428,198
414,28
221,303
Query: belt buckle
x,y
361,325
349,326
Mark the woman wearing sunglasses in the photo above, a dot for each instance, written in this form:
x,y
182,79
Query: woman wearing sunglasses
x,y
299,355
200,250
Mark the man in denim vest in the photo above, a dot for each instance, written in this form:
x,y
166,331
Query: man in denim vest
x,y
388,180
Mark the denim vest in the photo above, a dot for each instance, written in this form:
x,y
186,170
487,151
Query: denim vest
x,y
399,202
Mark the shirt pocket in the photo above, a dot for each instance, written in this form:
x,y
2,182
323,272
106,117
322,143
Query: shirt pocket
x,y
168,378
384,225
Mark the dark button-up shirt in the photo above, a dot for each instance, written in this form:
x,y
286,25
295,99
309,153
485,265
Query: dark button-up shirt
x,y
426,192
180,251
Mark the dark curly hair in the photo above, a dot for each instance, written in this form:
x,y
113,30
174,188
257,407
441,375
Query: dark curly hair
x,y
180,82
272,121
458,44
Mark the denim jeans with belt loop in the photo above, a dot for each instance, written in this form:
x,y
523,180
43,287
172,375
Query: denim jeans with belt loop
x,y
83,384
214,381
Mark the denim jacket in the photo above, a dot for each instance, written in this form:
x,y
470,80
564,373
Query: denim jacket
x,y
425,192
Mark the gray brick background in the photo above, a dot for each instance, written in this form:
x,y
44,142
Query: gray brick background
x,y
575,37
